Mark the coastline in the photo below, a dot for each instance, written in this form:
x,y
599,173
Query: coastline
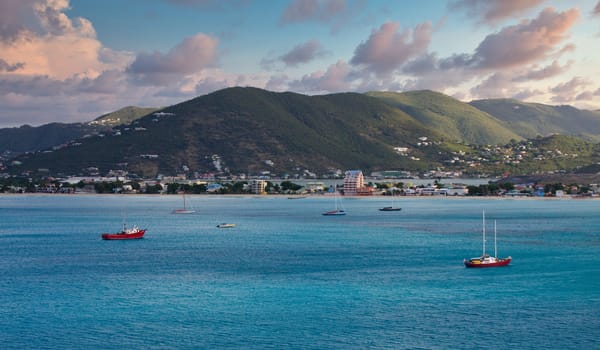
x,y
272,196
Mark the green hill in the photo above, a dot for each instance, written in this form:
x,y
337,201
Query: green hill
x,y
29,138
249,130
533,119
123,116
253,131
457,121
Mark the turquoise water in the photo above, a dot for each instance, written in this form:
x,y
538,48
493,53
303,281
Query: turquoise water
x,y
289,278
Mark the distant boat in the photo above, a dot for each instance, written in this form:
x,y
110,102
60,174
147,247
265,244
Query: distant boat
x,y
225,225
184,210
485,260
392,207
339,210
296,197
127,233
334,212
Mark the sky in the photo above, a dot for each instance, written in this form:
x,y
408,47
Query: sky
x,y
74,60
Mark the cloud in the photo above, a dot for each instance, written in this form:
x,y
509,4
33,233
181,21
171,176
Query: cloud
x,y
501,85
543,73
190,56
588,95
51,44
303,53
421,65
54,21
334,79
493,11
525,94
526,42
312,10
217,5
6,67
568,91
13,15
277,83
387,49
336,13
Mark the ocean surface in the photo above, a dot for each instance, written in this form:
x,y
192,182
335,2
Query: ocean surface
x,y
287,277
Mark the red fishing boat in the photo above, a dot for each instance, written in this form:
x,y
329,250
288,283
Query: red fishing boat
x,y
485,260
127,233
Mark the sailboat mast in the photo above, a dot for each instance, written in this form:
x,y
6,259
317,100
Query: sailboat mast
x,y
495,247
484,232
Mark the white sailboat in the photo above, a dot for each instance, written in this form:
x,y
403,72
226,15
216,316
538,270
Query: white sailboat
x,y
184,210
339,209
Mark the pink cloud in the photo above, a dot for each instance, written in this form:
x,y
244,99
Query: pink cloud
x,y
190,56
526,42
491,11
311,10
568,91
546,72
387,49
13,15
334,79
51,44
303,53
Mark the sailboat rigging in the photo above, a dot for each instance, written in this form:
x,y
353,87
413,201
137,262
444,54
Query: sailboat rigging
x,y
485,260
339,210
183,210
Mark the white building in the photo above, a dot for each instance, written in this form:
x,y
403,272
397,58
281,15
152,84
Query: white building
x,y
258,186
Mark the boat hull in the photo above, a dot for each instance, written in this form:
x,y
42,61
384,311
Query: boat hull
x,y
122,236
183,211
334,213
475,263
390,209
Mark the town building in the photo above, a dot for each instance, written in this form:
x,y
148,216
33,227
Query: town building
x,y
353,181
258,186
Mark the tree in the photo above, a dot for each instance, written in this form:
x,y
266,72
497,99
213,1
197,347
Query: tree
x,y
153,189
172,188
290,186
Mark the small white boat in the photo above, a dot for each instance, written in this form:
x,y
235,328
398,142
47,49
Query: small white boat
x,y
225,225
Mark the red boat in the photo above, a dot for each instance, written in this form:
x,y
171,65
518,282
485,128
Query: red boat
x,y
336,212
127,233
485,260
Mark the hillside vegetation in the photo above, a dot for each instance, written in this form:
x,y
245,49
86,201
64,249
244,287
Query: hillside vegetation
x,y
253,131
29,139
533,119
456,120
123,116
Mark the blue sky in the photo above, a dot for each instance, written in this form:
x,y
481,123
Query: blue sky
x,y
73,60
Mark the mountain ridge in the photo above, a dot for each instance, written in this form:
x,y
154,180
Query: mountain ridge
x,y
249,130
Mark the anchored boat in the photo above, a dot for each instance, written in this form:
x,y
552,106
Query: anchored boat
x,y
485,260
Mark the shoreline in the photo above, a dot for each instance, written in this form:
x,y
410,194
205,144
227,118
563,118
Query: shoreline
x,y
285,196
